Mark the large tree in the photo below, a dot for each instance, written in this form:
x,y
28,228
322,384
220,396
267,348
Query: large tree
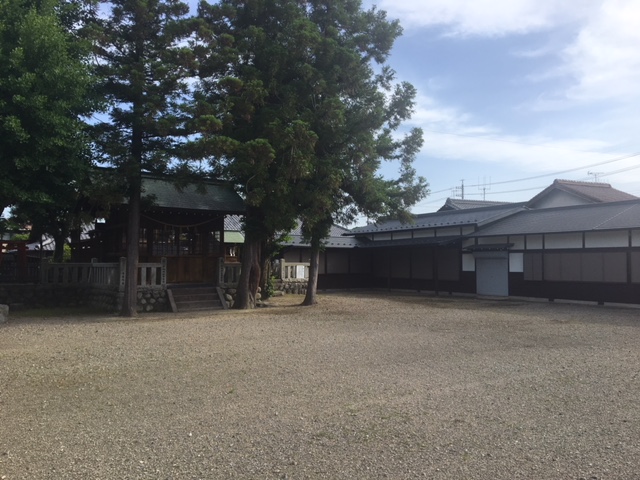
x,y
45,95
304,118
252,77
144,63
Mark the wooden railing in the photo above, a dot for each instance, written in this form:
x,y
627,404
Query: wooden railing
x,y
113,275
294,271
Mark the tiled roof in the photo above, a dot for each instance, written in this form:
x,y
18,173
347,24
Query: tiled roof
x,y
214,197
580,218
461,204
590,191
449,218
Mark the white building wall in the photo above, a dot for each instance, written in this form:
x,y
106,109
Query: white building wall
x,y
491,240
468,262
445,232
534,242
635,238
516,262
401,235
518,242
378,237
424,233
606,239
563,240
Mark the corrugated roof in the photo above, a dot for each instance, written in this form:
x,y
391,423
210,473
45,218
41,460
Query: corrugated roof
x,y
212,196
579,218
449,218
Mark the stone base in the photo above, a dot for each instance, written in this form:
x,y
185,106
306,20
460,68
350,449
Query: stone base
x,y
4,313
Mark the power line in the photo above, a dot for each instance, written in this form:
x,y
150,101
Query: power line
x,y
535,177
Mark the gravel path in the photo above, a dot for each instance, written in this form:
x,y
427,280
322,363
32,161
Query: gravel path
x,y
364,386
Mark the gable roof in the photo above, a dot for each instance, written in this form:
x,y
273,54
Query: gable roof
x,y
211,196
449,218
578,218
337,238
590,192
462,204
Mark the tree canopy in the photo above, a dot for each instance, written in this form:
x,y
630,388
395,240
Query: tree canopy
x,y
144,64
45,96
306,110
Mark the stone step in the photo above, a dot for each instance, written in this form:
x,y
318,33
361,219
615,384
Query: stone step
x,y
195,298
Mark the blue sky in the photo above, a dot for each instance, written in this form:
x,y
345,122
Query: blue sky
x,y
514,89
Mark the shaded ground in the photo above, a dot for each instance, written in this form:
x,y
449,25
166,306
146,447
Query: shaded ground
x,y
360,386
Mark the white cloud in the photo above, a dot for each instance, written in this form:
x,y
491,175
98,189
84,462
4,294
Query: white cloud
x,y
485,17
605,59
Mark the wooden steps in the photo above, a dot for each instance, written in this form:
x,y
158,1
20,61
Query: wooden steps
x,y
194,298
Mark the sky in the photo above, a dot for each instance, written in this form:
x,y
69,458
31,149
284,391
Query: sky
x,y
520,89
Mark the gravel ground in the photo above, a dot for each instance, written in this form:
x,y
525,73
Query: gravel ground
x,y
364,385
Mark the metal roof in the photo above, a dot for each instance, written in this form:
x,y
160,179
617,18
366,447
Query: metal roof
x,y
579,218
449,218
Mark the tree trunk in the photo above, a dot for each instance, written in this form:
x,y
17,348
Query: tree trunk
x,y
133,238
249,275
265,274
312,285
59,238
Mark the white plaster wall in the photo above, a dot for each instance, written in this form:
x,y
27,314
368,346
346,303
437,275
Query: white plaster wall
x,y
516,262
423,233
467,230
445,232
635,238
558,199
401,235
468,242
378,237
468,262
563,240
606,239
491,240
534,242
518,242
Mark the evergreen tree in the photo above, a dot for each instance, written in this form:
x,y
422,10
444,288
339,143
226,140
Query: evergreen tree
x,y
144,62
45,92
304,119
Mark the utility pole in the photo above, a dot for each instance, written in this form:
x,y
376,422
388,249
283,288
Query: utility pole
x,y
484,187
459,191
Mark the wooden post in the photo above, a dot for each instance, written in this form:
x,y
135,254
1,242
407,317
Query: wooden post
x,y
44,270
122,273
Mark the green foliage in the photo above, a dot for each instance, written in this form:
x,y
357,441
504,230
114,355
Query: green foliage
x,y
305,120
45,87
66,255
144,65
